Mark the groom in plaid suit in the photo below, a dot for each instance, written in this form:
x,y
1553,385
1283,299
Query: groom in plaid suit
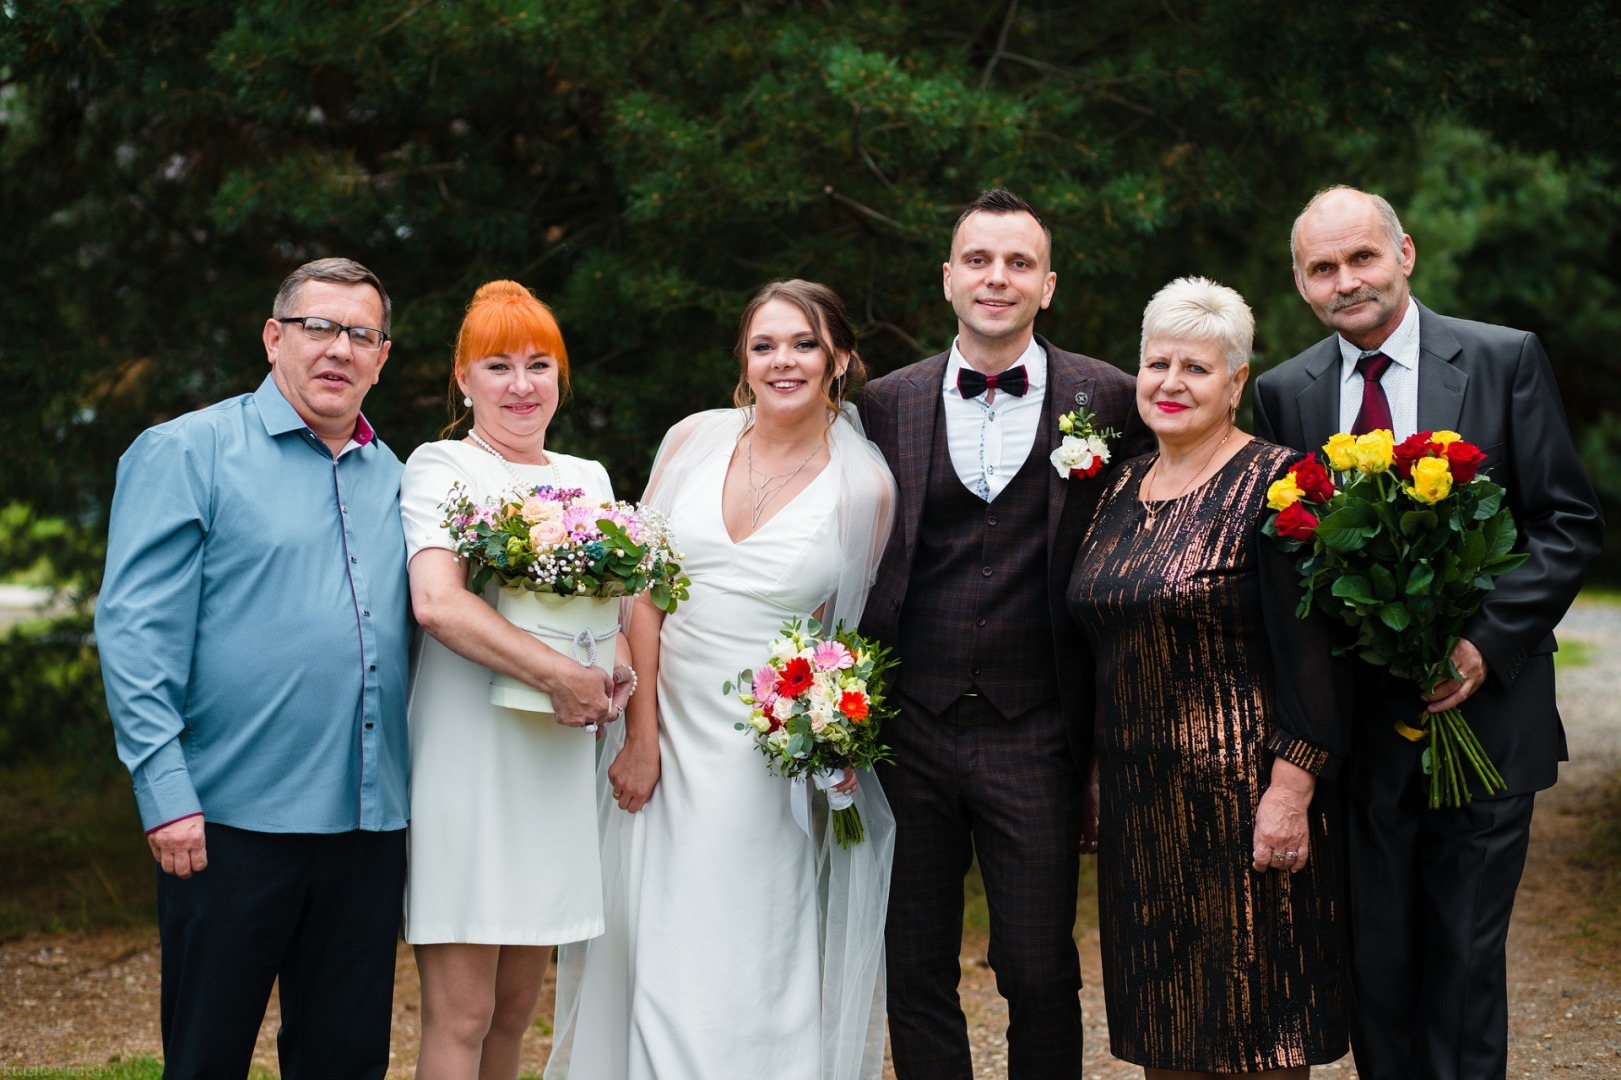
x,y
993,742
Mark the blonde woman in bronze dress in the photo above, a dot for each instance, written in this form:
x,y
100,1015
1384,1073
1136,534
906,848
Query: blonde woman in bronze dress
x,y
1218,716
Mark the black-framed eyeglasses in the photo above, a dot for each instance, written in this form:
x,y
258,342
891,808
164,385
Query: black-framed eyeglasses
x,y
360,337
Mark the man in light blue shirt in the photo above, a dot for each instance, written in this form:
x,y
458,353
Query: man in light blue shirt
x,y
254,629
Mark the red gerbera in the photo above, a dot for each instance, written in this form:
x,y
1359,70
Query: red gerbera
x,y
795,678
853,703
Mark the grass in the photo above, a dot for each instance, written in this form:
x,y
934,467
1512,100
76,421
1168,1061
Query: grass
x,y
73,852
1573,653
141,1068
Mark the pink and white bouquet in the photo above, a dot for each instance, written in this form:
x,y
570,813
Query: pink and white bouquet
x,y
816,707
555,540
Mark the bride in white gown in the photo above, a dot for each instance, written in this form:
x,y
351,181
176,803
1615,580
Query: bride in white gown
x,y
738,945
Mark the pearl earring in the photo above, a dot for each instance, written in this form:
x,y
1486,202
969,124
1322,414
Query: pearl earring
x,y
467,401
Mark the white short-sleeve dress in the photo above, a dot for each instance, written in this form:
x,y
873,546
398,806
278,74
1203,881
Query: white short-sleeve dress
x,y
503,837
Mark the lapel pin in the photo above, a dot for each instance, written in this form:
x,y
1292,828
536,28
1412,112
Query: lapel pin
x,y
1081,398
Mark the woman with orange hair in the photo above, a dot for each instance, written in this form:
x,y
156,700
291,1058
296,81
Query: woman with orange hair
x,y
503,856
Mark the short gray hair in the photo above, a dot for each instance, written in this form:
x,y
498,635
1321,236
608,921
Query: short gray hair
x,y
1387,221
338,272
1198,309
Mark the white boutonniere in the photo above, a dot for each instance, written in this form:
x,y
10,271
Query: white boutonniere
x,y
1084,449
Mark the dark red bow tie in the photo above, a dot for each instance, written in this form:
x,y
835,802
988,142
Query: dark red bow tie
x,y
971,384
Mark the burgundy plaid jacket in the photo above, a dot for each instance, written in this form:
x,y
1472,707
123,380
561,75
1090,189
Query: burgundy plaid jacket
x,y
899,412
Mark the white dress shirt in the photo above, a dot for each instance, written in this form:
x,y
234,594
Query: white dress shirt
x,y
989,443
1400,379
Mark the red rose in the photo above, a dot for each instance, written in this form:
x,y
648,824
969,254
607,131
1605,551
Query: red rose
x,y
1313,479
1089,471
1412,448
795,678
1465,459
853,704
1296,522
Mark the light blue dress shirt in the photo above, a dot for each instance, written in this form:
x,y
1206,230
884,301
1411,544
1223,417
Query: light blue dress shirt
x,y
254,623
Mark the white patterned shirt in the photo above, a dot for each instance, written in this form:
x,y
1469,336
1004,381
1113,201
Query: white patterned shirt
x,y
1400,380
989,443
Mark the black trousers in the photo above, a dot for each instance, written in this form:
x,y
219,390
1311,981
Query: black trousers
x,y
969,781
322,913
1431,892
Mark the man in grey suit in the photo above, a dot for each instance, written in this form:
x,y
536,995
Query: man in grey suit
x,y
1431,890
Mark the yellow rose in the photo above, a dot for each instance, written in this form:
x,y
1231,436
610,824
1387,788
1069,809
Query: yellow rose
x,y
1283,493
1432,480
1341,451
1445,438
1375,451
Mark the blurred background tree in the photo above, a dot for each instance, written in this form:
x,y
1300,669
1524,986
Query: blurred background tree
x,y
644,166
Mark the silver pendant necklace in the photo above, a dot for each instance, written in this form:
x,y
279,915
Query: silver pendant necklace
x,y
523,485
763,493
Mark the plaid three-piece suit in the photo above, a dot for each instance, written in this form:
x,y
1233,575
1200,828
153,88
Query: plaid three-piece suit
x,y
995,727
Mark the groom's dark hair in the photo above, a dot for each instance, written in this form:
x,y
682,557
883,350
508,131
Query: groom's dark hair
x,y
1001,201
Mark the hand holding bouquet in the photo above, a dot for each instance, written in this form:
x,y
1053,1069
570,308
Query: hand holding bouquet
x,y
816,706
562,562
1403,543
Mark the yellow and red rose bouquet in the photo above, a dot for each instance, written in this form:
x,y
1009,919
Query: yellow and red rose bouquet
x,y
1403,542
815,709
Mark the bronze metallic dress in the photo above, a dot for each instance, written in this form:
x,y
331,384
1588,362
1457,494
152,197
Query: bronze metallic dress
x,y
1204,675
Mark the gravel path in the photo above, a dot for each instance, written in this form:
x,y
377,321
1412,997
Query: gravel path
x,y
79,999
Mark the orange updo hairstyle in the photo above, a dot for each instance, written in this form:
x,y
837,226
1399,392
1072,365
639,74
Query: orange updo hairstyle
x,y
504,317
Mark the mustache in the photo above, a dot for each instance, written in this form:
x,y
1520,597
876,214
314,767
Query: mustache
x,y
1362,295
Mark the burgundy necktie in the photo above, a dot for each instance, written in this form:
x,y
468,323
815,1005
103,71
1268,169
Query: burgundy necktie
x,y
1375,411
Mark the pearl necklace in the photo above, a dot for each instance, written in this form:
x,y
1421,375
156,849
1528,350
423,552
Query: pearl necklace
x,y
523,485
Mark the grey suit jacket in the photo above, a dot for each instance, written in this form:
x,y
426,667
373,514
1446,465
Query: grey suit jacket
x,y
1495,387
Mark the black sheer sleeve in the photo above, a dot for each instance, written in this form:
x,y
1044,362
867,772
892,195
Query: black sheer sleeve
x,y
1314,686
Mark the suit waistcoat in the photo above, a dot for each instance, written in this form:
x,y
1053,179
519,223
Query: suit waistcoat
x,y
976,616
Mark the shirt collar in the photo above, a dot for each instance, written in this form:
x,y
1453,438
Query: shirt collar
x,y
1034,359
1401,346
280,417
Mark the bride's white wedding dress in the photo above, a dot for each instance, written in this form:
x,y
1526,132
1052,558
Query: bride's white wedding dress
x,y
712,965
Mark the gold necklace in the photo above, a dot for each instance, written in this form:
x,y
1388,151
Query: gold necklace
x,y
1151,509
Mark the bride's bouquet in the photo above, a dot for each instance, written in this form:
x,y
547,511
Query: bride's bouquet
x,y
816,707
563,562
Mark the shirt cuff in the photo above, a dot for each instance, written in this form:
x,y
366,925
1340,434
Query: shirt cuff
x,y
165,798
1299,752
166,824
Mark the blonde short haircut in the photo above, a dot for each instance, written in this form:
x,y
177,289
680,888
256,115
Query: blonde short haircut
x,y
1198,309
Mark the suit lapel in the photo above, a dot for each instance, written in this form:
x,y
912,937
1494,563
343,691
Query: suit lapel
x,y
1068,388
917,407
1319,400
1441,384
